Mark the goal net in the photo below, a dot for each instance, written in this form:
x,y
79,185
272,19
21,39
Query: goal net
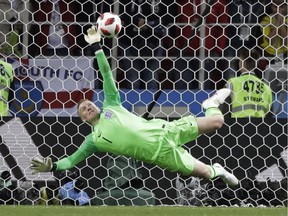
x,y
168,58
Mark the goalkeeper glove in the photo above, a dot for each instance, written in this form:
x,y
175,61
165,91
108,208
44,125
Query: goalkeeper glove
x,y
39,165
93,38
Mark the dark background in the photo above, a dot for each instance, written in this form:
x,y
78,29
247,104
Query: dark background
x,y
246,147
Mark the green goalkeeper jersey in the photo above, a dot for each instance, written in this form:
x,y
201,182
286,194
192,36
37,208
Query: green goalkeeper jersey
x,y
118,131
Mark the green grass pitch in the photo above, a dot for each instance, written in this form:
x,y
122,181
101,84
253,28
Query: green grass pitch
x,y
138,211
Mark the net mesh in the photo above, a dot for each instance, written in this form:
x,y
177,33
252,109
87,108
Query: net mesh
x,y
164,68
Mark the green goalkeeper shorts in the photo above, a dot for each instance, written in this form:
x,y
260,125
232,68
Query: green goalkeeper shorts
x,y
172,156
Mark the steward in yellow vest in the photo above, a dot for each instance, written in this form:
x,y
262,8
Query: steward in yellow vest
x,y
6,78
250,96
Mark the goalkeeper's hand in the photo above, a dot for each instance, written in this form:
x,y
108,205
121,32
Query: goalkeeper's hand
x,y
39,165
92,36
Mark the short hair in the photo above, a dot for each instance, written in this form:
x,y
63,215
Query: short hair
x,y
80,102
249,58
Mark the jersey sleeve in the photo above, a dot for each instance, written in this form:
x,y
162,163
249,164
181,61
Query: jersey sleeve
x,y
111,93
86,149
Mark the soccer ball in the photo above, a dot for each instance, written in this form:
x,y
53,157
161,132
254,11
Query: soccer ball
x,y
109,24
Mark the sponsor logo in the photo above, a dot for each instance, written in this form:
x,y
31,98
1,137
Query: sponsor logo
x,y
108,114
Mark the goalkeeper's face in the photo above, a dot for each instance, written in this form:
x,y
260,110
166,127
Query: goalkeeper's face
x,y
88,112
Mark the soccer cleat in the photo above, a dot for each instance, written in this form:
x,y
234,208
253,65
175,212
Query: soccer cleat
x,y
218,98
226,177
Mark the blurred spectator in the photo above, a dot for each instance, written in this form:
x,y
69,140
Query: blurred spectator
x,y
250,96
215,42
12,11
68,189
86,13
6,188
56,32
243,31
27,193
6,83
275,31
49,195
142,36
24,193
5,179
72,193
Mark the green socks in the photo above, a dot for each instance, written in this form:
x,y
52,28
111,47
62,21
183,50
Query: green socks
x,y
213,111
215,171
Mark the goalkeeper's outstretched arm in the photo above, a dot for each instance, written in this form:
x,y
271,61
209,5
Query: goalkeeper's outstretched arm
x,y
112,98
111,93
85,150
46,165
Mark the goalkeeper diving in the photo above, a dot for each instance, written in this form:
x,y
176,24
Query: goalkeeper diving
x,y
155,141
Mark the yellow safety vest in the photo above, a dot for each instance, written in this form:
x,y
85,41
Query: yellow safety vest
x,y
6,78
267,24
250,96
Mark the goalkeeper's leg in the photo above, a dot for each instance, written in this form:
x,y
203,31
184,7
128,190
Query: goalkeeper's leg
x,y
213,119
210,172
